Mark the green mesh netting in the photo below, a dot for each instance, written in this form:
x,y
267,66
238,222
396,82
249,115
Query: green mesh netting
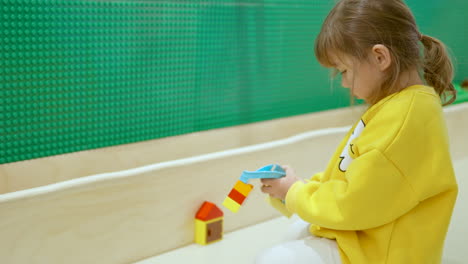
x,y
80,75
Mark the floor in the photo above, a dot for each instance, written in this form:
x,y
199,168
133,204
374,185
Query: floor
x,y
243,245
236,247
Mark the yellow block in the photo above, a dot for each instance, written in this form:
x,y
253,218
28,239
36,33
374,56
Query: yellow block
x,y
231,205
201,231
243,188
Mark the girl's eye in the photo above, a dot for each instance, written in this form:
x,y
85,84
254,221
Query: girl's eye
x,y
343,72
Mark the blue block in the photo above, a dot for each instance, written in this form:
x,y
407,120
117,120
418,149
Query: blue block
x,y
272,171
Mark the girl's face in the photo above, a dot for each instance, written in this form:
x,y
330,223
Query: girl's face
x,y
362,77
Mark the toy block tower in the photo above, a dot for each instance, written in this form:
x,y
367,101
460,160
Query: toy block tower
x,y
237,196
208,224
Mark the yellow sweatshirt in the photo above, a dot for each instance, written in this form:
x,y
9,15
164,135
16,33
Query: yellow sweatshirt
x,y
388,193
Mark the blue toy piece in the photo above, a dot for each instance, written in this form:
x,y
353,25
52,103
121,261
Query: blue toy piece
x,y
272,171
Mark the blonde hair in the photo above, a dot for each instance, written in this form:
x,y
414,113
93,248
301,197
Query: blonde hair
x,y
353,27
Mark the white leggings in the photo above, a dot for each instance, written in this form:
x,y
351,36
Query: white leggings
x,y
300,247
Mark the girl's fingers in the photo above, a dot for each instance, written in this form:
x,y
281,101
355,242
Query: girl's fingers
x,y
266,188
267,181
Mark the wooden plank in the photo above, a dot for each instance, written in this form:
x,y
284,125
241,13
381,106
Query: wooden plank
x,y
130,218
39,172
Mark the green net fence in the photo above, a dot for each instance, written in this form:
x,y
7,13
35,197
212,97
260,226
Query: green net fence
x,y
79,75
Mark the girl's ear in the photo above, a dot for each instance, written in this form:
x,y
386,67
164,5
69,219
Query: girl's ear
x,y
381,56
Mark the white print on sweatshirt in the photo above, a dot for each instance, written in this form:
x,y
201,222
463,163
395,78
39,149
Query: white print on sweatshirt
x,y
346,159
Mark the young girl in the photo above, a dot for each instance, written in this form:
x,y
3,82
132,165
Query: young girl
x,y
388,193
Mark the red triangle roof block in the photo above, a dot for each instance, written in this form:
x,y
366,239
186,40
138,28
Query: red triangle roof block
x,y
208,211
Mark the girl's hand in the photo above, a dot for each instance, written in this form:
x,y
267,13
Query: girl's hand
x,y
278,188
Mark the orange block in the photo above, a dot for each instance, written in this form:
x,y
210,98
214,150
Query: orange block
x,y
243,188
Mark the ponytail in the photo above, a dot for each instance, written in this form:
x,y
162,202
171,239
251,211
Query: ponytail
x,y
438,68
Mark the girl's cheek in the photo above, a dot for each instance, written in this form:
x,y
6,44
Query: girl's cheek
x,y
344,82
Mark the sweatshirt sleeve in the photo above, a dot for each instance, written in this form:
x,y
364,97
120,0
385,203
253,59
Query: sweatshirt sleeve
x,y
373,193
317,177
